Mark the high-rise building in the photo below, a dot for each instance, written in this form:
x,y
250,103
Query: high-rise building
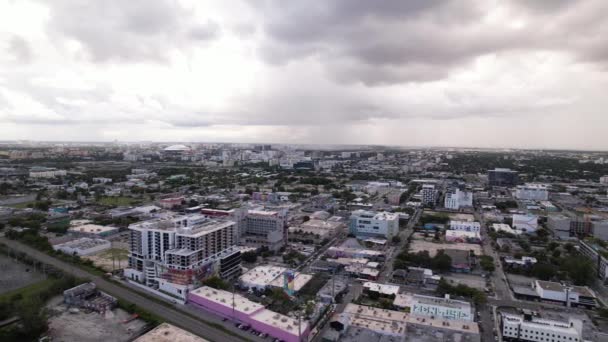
x,y
174,255
264,229
502,177
374,224
429,194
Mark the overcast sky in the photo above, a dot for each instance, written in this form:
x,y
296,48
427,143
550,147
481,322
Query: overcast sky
x,y
520,73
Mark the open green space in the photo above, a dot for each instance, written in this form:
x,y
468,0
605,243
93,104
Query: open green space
x,y
118,201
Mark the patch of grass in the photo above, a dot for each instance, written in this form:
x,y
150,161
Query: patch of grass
x,y
118,201
22,205
118,253
32,290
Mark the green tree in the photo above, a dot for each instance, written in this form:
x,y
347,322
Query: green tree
x,y
441,261
544,271
249,257
216,282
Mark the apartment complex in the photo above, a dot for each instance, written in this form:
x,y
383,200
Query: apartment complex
x,y
374,224
174,255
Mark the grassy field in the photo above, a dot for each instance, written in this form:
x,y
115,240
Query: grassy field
x,y
30,290
118,201
22,205
119,253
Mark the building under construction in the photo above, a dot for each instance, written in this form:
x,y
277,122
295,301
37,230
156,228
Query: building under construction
x,y
87,296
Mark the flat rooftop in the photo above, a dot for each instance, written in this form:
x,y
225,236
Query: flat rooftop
x,y
83,243
224,298
563,327
441,301
279,321
262,275
92,229
169,333
300,280
381,288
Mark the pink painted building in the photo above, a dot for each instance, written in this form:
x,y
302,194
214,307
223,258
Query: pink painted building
x,y
239,308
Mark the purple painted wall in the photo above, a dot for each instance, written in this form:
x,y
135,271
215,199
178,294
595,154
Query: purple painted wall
x,y
226,311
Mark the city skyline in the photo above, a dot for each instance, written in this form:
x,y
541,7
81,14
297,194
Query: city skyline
x,y
482,74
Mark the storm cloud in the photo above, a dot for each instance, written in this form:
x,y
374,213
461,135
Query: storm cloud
x,y
341,71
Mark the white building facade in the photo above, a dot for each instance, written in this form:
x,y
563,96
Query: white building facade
x,y
456,199
465,226
374,224
542,330
532,192
174,255
525,223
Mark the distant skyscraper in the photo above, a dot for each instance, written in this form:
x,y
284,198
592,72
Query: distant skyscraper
x,y
502,177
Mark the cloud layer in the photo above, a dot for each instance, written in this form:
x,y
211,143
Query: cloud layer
x,y
422,72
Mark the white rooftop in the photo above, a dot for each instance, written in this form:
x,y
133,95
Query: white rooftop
x,y
279,321
241,304
92,229
262,275
381,288
169,333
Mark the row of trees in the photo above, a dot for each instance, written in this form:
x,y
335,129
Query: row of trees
x,y
440,262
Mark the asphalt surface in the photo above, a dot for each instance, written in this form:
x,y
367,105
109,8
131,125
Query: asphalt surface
x,y
174,315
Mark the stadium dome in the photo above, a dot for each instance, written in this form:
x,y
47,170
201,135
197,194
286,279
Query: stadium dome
x,y
177,148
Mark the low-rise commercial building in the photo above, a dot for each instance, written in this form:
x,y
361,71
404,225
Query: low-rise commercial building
x,y
532,192
374,224
462,236
566,295
262,277
169,333
83,246
382,289
465,226
529,328
375,324
526,223
239,308
93,230
503,227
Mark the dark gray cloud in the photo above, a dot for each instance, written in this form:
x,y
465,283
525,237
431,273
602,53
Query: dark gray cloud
x,y
394,41
127,30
